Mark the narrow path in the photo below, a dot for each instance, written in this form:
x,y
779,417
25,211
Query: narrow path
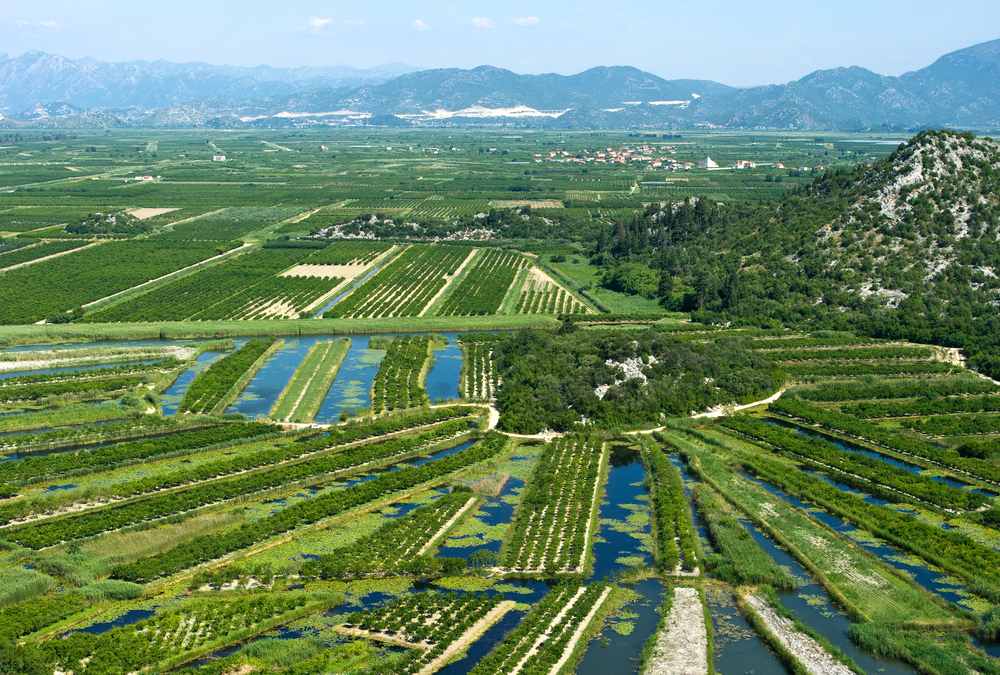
x,y
682,647
717,412
816,659
548,630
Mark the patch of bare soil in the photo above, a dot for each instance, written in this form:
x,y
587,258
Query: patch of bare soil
x,y
682,647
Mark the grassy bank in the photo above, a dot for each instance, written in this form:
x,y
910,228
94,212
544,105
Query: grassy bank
x,y
304,393
175,330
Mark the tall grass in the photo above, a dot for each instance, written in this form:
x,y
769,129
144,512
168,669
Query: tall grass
x,y
278,652
18,584
112,590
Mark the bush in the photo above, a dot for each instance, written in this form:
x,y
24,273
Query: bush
x,y
112,590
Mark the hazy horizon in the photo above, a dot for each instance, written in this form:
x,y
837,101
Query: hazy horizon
x,y
729,42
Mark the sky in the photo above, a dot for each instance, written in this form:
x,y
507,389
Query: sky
x,y
736,42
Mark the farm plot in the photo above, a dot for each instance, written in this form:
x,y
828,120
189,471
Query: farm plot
x,y
675,544
30,218
406,286
897,368
400,546
481,379
304,394
397,383
484,286
165,638
34,292
323,506
835,392
348,253
229,224
552,530
181,299
228,480
278,297
212,388
36,252
435,627
545,640
866,587
852,354
542,295
857,469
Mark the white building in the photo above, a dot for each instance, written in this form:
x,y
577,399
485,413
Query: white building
x,y
218,158
707,163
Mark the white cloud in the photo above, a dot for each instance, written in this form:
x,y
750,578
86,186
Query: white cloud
x,y
483,22
317,22
527,21
419,25
39,24
320,26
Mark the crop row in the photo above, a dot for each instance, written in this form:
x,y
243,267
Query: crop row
x,y
431,620
183,298
348,253
405,286
923,406
38,291
43,467
273,297
857,469
304,394
85,434
212,385
852,426
33,392
737,558
910,389
480,376
860,369
856,354
552,300
89,373
484,286
33,615
551,529
671,514
134,648
40,535
949,549
394,548
210,547
957,425
798,343
23,255
397,383
544,635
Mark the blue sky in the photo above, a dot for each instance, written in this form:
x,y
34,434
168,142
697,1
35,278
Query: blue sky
x,y
737,42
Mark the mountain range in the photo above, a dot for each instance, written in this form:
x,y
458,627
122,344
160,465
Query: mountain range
x,y
37,89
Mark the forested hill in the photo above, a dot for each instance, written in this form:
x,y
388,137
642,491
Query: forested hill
x,y
907,247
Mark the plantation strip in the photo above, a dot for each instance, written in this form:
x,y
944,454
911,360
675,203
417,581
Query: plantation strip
x,y
85,389
857,353
554,522
861,369
673,532
202,549
398,546
214,483
852,576
948,549
71,415
467,638
46,467
866,431
857,469
81,436
958,425
215,384
862,391
923,407
397,383
304,393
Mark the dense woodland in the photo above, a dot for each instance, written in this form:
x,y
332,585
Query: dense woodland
x,y
549,380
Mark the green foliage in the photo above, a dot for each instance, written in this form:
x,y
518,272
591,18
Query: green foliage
x,y
215,382
37,291
397,382
671,513
855,391
633,278
549,381
484,286
111,589
205,548
738,559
